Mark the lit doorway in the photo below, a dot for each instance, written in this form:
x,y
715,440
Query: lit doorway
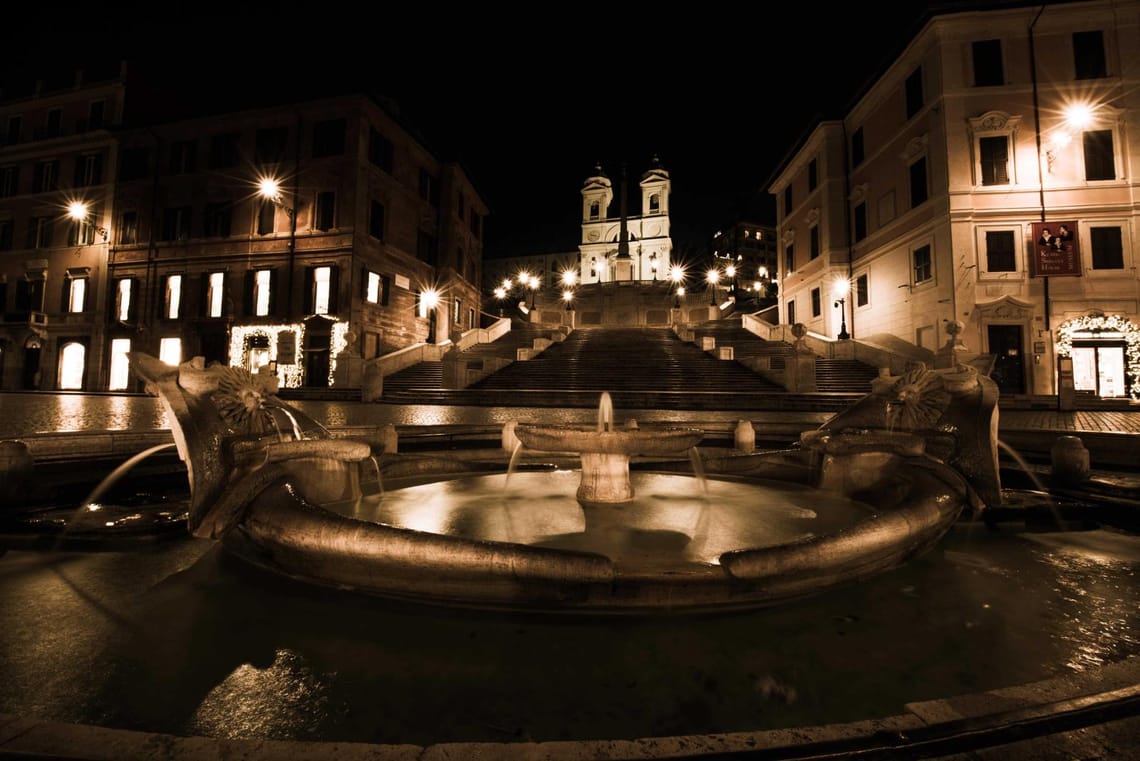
x,y
1100,369
1005,344
72,363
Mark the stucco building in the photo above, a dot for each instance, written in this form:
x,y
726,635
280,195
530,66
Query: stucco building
x,y
924,204
305,239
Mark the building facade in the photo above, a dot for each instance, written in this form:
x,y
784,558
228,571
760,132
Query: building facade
x,y
928,202
746,255
59,148
304,239
649,247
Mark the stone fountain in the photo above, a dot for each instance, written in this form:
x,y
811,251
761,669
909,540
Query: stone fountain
x,y
872,488
605,451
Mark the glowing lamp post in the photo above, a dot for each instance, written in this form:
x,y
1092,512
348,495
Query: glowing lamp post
x,y
677,275
500,294
841,290
713,277
429,300
269,188
80,212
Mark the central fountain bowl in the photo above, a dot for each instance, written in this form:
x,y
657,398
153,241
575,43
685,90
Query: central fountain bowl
x,y
635,441
605,453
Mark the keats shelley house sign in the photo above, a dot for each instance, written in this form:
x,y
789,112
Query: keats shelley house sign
x,y
1056,251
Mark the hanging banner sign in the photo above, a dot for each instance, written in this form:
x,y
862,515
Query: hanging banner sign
x,y
1056,251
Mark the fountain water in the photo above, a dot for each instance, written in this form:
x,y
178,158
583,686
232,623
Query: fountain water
x,y
605,452
853,500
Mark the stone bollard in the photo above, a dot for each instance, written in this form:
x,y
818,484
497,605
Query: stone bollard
x,y
745,437
390,439
16,464
1070,460
510,441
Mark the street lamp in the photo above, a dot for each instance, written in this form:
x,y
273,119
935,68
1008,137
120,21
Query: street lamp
x,y
269,188
500,294
841,288
567,298
677,275
731,272
713,277
81,212
841,302
429,300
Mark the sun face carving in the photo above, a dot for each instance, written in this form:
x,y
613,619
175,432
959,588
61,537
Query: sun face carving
x,y
241,403
916,400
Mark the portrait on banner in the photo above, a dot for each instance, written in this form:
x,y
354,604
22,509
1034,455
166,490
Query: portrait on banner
x,y
1056,250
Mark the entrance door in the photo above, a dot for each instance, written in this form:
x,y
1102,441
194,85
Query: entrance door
x,y
31,377
1099,368
1009,367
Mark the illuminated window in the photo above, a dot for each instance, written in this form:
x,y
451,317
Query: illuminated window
x,y
124,308
372,288
173,301
120,365
262,288
215,292
321,278
72,359
170,351
76,294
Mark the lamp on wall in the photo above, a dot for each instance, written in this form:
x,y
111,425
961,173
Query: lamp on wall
x,y
80,212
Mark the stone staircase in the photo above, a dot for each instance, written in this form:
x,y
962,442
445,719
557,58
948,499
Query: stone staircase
x,y
640,367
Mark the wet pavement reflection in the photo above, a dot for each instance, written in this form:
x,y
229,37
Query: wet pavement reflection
x,y
180,637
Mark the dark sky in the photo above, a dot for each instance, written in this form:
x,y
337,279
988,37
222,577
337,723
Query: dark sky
x,y
528,102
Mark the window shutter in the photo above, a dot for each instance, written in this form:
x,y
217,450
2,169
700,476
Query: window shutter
x,y
65,297
247,297
204,295
133,306
274,297
363,283
310,286
334,288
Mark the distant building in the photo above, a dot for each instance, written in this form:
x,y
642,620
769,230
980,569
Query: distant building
x,y
648,248
747,257
365,243
925,203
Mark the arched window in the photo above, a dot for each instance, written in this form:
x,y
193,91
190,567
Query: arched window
x,y
655,203
72,361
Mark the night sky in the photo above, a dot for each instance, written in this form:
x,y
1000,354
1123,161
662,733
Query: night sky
x,y
528,103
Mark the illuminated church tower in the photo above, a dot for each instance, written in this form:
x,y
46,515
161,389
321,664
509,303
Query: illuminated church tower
x,y
625,247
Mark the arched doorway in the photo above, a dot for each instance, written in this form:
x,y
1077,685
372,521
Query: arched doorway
x,y
1106,354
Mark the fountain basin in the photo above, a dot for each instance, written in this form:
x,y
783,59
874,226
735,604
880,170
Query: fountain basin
x,y
295,506
635,441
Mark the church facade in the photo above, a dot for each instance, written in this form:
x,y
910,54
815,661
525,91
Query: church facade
x,y
625,246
